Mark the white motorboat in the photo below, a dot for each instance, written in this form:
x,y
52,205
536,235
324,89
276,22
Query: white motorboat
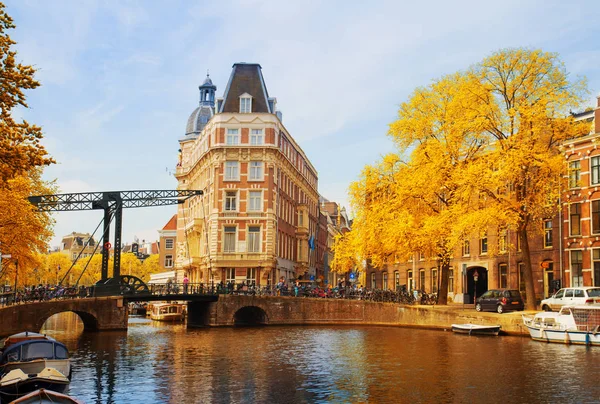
x,y
571,325
476,329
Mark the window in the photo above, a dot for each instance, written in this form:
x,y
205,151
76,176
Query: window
x,y
574,174
385,281
547,233
466,248
502,240
230,275
253,238
230,201
245,105
256,170
577,268
232,170
300,218
422,279
596,217
233,137
396,280
256,137
503,278
251,276
575,219
434,281
519,242
421,256
169,243
596,266
450,280
37,350
168,261
409,277
373,283
255,201
595,167
483,244
229,239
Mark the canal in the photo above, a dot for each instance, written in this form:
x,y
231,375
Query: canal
x,y
166,363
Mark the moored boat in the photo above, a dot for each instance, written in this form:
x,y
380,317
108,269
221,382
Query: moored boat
x,y
30,361
476,329
167,312
571,325
46,396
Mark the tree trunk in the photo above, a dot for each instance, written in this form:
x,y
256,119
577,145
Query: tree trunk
x,y
445,270
530,300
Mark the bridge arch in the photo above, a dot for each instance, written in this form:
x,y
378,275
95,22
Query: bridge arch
x,y
250,316
89,320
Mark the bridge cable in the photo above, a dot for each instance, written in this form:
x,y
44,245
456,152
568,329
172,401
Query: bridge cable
x,y
95,249
187,243
81,252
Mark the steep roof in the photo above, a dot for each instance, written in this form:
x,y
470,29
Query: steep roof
x,y
171,224
246,78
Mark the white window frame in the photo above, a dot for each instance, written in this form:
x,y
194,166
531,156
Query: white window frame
x,y
255,171
231,249
253,244
230,201
168,261
255,201
245,104
233,137
257,137
169,243
232,171
230,275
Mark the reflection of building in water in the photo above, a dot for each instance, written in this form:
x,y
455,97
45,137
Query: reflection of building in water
x,y
257,219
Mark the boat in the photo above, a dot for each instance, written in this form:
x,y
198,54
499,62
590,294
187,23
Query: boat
x,y
167,312
476,329
579,324
30,361
43,396
137,309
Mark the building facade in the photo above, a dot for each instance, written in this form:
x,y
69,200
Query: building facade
x,y
166,245
78,245
258,216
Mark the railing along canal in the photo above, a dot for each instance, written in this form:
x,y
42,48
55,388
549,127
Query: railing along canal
x,y
48,293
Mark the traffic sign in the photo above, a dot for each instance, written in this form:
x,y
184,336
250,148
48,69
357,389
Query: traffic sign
x,y
351,275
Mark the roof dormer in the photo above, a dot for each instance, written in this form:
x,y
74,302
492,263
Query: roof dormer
x,y
245,103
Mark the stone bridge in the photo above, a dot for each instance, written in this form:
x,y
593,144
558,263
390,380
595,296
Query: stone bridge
x,y
111,313
97,314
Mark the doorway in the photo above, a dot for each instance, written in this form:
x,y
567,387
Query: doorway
x,y
476,289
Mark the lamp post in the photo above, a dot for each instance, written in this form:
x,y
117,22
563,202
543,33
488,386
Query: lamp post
x,y
475,278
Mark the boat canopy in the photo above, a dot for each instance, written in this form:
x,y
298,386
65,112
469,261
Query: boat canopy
x,y
34,349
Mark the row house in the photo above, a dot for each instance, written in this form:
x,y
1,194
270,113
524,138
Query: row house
x,y
258,218
565,251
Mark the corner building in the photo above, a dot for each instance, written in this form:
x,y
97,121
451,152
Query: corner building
x,y
257,220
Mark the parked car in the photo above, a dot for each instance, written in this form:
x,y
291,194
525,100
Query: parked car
x,y
572,296
500,300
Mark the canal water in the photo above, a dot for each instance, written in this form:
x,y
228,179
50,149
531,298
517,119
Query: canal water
x,y
166,363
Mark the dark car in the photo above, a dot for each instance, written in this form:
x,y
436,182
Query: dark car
x,y
500,300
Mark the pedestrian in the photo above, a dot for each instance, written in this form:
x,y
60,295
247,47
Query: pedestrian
x,y
186,281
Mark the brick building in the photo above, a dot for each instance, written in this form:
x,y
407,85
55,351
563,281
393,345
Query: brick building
x,y
166,244
258,218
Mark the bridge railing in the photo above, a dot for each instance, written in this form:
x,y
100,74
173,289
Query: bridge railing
x,y
47,293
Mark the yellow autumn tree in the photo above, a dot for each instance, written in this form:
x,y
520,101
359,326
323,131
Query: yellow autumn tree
x,y
20,148
525,101
151,265
23,233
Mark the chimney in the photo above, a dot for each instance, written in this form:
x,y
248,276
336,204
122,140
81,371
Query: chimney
x,y
597,116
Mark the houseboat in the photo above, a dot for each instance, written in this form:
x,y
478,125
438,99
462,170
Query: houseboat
x,y
31,361
571,325
167,312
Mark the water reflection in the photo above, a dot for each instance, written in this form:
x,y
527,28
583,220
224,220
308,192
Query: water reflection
x,y
160,362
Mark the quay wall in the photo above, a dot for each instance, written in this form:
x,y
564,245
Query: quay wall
x,y
317,311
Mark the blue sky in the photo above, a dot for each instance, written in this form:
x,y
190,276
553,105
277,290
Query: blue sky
x,y
120,78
